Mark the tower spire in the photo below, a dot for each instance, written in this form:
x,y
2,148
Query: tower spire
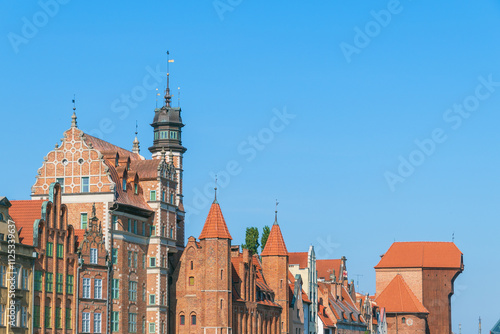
x,y
215,190
135,146
276,213
73,118
168,97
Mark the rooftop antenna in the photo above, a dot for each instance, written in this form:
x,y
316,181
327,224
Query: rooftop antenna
x,y
357,281
479,325
136,126
459,328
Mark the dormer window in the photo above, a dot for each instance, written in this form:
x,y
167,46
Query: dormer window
x,y
136,188
116,159
128,164
124,184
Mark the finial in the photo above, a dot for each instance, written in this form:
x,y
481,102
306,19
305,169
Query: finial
x,y
215,190
135,146
73,118
168,97
156,97
276,213
93,210
171,155
163,153
453,237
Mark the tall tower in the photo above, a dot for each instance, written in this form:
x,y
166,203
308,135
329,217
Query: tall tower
x,y
215,243
167,125
275,268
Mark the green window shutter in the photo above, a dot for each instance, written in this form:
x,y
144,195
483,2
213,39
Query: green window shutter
x,y
48,311
36,316
49,282
68,318
69,284
59,283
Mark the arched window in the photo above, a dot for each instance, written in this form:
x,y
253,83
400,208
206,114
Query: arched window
x,y
182,319
116,159
403,320
193,319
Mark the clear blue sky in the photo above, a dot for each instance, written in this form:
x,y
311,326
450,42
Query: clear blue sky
x,y
353,120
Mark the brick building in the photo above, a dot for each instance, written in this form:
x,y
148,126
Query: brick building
x,y
16,276
429,270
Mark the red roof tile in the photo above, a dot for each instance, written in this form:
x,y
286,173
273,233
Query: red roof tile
x,y
326,267
397,297
215,225
107,148
422,255
299,258
24,213
275,245
79,235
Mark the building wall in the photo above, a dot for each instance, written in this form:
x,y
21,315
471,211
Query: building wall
x,y
412,276
406,324
275,269
438,288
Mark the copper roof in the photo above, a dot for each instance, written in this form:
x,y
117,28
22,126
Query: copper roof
x,y
397,297
422,255
215,225
275,245
24,213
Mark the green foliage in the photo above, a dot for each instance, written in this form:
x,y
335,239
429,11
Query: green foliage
x,y
265,234
252,240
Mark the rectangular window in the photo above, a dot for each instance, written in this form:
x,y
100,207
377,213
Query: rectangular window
x,y
85,322
69,284
191,281
152,231
152,261
135,259
132,322
48,319
24,317
135,226
3,271
24,279
58,317
132,291
129,259
69,316
152,299
152,327
143,228
86,288
60,180
115,321
152,195
98,288
115,288
193,319
59,283
182,320
85,185
114,256
97,322
36,316
115,222
49,282
60,251
83,220
143,261
50,249
129,229
38,280
93,255
173,134
171,198
163,196
144,293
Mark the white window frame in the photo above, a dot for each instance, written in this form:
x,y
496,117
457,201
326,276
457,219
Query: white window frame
x,y
93,256
86,288
98,288
86,322
97,322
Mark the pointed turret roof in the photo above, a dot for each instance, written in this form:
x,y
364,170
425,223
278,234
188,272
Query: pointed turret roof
x,y
215,225
397,297
275,245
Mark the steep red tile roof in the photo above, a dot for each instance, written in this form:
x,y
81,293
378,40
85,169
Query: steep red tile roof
x,y
324,317
79,235
24,213
275,245
325,268
147,169
422,255
107,148
397,297
299,258
215,225
305,299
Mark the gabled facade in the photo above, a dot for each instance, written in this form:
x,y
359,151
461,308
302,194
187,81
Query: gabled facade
x,y
93,281
16,276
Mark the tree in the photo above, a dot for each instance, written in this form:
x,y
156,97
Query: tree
x,y
265,234
252,240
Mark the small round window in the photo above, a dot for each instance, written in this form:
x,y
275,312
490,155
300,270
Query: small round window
x,y
80,161
65,162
